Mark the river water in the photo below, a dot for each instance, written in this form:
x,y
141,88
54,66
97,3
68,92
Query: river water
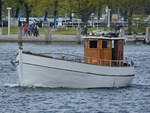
x,y
15,99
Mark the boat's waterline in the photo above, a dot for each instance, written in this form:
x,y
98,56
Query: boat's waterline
x,y
48,72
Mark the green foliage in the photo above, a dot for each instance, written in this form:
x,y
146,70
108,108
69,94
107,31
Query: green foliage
x,y
40,6
82,8
129,9
68,31
14,30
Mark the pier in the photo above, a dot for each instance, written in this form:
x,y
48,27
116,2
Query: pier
x,y
41,38
135,39
64,38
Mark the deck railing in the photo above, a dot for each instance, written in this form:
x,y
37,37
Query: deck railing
x,y
91,60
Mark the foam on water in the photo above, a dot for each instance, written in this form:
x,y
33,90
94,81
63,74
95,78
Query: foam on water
x,y
11,85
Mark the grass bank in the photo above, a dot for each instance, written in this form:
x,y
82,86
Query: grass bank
x,y
63,31
72,31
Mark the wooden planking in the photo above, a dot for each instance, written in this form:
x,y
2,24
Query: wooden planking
x,y
110,53
91,53
99,44
37,54
118,50
105,54
99,52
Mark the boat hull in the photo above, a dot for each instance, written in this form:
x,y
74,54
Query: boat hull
x,y
48,72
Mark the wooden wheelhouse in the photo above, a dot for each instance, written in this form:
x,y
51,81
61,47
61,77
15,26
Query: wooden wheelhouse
x,y
103,51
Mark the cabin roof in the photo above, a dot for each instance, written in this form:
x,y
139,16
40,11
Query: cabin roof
x,y
102,37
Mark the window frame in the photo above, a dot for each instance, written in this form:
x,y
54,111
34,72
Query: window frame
x,y
105,44
93,46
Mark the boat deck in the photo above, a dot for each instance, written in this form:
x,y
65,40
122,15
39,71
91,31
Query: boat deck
x,y
82,59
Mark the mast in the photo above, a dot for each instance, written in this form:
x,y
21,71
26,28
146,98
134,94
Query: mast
x,y
20,70
20,37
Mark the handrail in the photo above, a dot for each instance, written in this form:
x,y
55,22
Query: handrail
x,y
88,60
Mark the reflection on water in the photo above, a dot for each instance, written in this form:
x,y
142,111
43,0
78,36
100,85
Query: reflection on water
x,y
133,99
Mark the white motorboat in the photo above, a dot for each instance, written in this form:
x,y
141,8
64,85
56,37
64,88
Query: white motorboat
x,y
101,66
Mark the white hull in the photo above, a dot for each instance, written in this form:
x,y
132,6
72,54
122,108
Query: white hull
x,y
40,71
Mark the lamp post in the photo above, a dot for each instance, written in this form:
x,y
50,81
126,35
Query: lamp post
x,y
55,13
97,19
9,20
108,13
65,13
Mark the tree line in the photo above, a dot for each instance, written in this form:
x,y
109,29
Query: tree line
x,y
81,8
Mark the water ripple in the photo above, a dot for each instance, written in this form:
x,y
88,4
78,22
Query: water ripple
x,y
16,99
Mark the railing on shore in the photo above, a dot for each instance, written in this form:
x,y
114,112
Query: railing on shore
x,y
91,60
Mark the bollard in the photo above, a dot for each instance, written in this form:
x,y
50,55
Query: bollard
x,y
78,35
147,38
48,34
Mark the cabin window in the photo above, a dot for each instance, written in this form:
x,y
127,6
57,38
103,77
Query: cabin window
x,y
93,44
105,44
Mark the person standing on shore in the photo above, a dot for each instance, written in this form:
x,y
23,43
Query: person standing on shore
x,y
29,30
36,30
32,30
25,30
85,30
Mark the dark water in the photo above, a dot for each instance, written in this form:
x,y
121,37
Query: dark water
x,y
15,99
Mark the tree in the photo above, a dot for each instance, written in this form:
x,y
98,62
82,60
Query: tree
x,y
128,8
84,9
66,7
43,7
25,5
144,7
99,5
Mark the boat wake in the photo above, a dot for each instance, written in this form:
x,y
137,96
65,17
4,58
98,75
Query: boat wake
x,y
12,85
27,86
17,85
